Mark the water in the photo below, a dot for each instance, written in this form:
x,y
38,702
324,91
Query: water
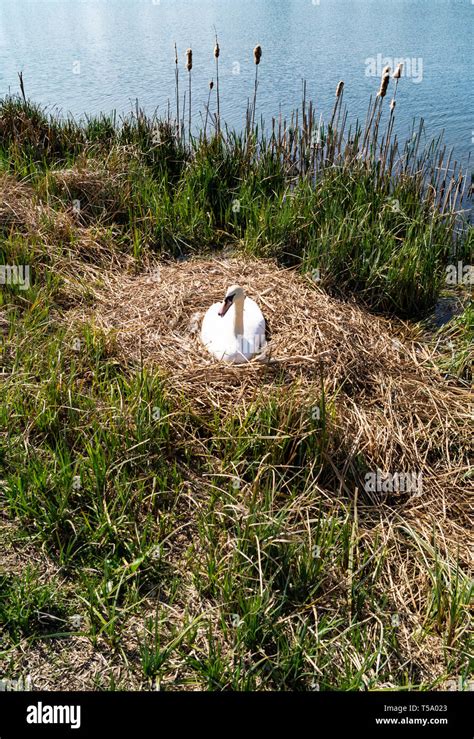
x,y
91,56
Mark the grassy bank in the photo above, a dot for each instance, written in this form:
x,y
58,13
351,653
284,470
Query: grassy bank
x,y
147,543
368,216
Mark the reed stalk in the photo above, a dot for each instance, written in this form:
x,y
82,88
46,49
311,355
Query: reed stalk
x,y
217,52
336,109
211,86
189,66
183,116
396,76
22,86
257,55
380,96
176,75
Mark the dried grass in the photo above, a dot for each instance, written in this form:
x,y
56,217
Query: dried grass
x,y
388,406
93,190
19,207
57,232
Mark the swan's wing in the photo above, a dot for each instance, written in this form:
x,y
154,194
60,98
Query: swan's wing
x,y
254,325
210,327
216,331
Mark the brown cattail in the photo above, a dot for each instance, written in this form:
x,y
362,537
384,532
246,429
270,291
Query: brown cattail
x,y
383,86
189,59
385,70
398,72
257,54
217,51
339,89
392,104
211,84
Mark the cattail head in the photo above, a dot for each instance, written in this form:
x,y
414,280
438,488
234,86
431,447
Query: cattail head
x,y
398,72
392,104
383,86
189,59
385,70
257,54
211,84
217,50
339,89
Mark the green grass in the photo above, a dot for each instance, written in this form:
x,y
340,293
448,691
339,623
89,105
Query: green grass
x,y
30,607
455,342
213,553
370,228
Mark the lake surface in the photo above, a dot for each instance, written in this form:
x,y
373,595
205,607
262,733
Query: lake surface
x,y
91,56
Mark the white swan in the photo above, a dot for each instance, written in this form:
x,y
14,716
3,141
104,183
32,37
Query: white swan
x,y
234,331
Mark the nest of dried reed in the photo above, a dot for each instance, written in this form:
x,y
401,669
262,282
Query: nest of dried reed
x,y
385,404
94,190
62,234
19,208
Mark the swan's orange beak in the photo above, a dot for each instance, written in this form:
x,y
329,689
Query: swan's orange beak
x,y
225,307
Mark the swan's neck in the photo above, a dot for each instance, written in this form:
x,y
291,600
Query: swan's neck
x,y
239,318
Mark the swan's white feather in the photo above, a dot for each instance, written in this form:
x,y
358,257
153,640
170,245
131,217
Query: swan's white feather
x,y
217,333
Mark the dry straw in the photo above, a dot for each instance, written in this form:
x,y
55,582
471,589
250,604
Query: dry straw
x,y
383,399
65,235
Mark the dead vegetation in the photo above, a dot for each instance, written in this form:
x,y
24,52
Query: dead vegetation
x,y
387,405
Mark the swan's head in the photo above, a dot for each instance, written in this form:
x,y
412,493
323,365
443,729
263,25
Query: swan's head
x,y
234,294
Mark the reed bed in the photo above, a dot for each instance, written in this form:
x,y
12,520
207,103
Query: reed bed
x,y
382,227
302,144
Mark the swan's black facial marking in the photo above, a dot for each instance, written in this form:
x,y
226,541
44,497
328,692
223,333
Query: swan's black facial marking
x,y
228,300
